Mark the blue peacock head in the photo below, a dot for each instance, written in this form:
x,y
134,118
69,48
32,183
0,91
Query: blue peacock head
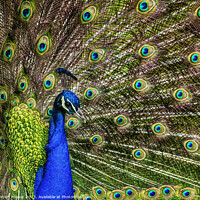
x,y
68,103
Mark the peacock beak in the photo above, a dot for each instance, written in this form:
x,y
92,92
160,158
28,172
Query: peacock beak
x,y
79,114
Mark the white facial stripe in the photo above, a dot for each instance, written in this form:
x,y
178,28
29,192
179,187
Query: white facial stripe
x,y
72,105
78,112
63,104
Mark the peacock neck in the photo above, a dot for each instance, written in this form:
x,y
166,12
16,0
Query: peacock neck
x,y
57,135
57,178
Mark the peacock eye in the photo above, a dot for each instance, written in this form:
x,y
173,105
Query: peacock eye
x,y
14,184
26,11
99,192
49,111
116,194
91,93
76,191
159,129
130,193
15,101
167,191
147,51
139,154
88,198
43,45
96,140
121,120
181,94
49,82
191,145
8,52
3,96
72,123
140,85
2,141
96,55
145,6
22,84
197,12
151,193
88,14
31,103
194,58
187,193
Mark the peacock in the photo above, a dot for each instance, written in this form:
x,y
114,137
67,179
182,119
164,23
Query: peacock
x,y
99,99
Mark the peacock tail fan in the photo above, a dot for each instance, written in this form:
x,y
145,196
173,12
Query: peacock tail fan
x,y
137,65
